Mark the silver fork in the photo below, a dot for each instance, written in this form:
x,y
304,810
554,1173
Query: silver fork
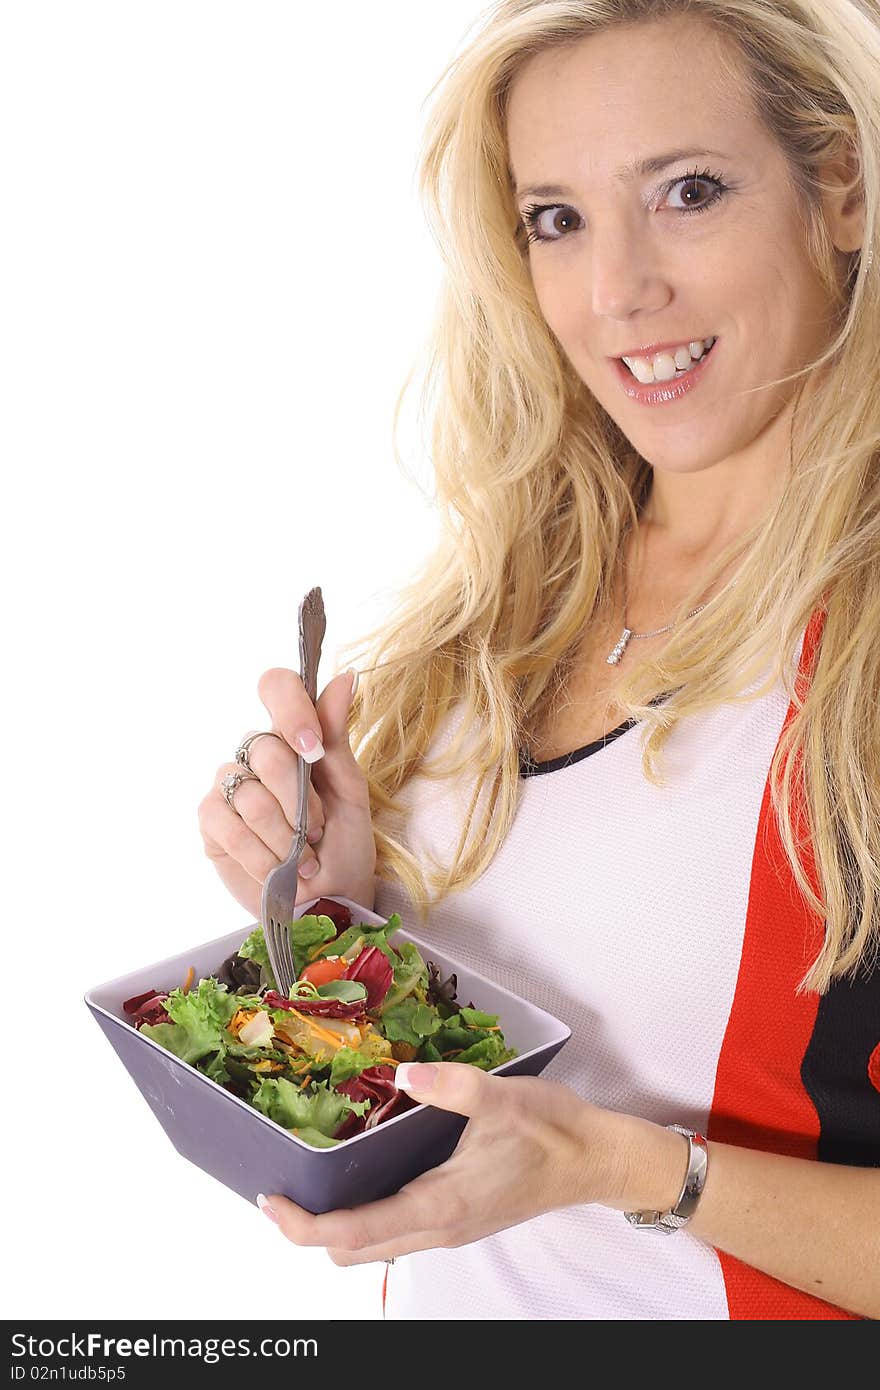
x,y
280,885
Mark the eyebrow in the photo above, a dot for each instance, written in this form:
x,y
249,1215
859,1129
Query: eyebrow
x,y
635,169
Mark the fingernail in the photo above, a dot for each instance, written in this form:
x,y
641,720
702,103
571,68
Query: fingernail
x,y
309,868
309,745
415,1076
355,678
265,1208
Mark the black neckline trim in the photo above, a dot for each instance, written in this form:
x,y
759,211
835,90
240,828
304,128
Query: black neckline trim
x,y
529,768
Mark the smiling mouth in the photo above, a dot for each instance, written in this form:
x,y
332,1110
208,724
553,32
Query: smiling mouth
x,y
669,365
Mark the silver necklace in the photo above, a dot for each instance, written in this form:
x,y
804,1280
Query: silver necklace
x,y
628,635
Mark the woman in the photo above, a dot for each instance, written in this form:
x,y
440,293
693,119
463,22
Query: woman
x,y
625,724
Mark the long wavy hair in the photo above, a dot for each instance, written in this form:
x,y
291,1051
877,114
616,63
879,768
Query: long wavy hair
x,y
537,488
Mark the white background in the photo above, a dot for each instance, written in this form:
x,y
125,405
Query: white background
x,y
215,276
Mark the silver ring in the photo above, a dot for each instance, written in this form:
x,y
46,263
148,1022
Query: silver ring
x,y
241,752
231,783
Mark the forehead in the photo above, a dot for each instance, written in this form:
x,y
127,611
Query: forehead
x,y
582,111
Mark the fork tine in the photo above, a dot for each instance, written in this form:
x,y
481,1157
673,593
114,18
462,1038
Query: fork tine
x,y
279,953
274,939
286,954
274,953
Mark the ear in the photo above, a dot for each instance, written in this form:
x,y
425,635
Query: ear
x,y
843,200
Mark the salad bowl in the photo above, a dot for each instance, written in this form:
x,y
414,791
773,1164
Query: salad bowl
x,y
246,1150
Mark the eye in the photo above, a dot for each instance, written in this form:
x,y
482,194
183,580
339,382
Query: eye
x,y
533,214
699,189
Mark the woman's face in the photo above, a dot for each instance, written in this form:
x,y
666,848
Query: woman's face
x,y
709,246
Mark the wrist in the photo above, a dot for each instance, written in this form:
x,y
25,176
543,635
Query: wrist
x,y
642,1164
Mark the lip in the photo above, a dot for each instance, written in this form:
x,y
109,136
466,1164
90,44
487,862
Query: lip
x,y
662,392
659,347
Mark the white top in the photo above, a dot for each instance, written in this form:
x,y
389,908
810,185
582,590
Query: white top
x,y
620,907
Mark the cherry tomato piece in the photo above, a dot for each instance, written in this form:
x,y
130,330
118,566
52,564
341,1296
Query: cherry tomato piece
x,y
320,971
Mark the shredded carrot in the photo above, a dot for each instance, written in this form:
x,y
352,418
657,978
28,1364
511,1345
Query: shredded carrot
x,y
239,1019
316,950
316,1028
305,1081
190,976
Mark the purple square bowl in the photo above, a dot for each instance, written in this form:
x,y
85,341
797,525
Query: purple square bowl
x,y
250,1153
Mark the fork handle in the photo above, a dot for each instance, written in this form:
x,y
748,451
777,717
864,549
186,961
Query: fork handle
x,y
312,625
305,778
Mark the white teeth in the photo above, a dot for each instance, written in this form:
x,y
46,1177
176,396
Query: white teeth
x,y
641,370
663,366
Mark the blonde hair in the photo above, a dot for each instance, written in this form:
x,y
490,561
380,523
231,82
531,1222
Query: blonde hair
x,y
537,487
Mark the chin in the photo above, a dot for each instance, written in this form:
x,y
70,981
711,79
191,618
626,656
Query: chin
x,y
682,462
684,448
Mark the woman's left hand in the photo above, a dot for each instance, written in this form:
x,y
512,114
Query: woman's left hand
x,y
530,1146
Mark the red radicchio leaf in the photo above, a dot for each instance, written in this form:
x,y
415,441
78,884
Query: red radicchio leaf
x,y
339,914
147,1008
373,969
321,1008
376,1085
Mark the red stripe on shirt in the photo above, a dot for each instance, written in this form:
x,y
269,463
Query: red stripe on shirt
x,y
760,1101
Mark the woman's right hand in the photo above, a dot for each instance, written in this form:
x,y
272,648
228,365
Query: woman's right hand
x,y
245,843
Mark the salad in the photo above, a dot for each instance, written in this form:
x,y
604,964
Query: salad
x,y
321,1062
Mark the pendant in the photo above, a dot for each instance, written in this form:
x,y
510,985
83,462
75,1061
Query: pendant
x,y
623,641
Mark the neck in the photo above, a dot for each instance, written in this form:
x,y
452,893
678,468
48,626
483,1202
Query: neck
x,y
695,515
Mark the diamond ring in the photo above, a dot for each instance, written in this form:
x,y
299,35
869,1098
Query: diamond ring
x,y
241,752
231,782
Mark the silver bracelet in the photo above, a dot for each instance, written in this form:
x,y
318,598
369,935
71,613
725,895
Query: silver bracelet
x,y
694,1182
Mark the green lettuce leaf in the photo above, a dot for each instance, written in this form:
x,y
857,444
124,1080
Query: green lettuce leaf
x,y
316,1108
199,1020
487,1053
305,934
254,948
216,1068
475,1019
308,932
175,1040
349,991
410,973
453,1034
411,1022
373,936
316,1138
348,1063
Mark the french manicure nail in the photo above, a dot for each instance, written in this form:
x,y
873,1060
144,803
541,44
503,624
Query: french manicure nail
x,y
265,1208
416,1076
309,745
355,678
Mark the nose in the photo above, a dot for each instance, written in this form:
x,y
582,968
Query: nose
x,y
627,278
